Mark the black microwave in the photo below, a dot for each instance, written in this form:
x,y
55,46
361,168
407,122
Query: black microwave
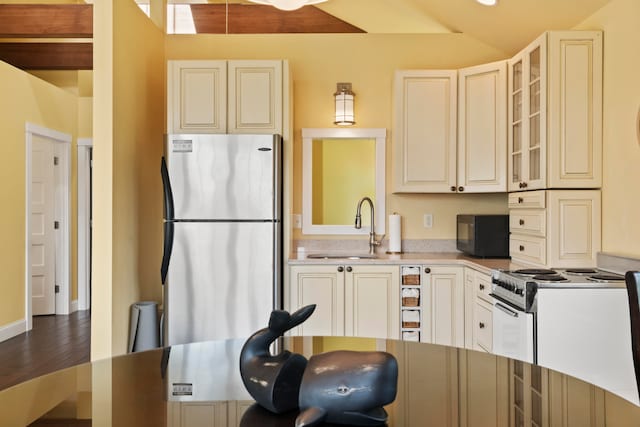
x,y
483,235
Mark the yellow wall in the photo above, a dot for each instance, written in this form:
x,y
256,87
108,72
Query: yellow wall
x,y
128,127
621,167
368,61
25,98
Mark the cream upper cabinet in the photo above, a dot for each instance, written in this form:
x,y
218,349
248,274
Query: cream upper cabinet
x,y
236,96
351,300
555,228
197,97
255,96
482,128
555,112
425,131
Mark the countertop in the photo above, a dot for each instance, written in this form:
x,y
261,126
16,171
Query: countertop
x,y
437,385
484,265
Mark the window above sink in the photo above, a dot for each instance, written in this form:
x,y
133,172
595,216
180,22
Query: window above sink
x,y
339,167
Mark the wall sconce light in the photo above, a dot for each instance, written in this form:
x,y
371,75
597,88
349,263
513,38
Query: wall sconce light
x,y
344,105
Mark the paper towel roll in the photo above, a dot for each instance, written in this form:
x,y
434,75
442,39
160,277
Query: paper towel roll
x,y
395,233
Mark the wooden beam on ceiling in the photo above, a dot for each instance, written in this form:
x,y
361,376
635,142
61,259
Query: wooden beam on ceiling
x,y
48,56
261,19
46,20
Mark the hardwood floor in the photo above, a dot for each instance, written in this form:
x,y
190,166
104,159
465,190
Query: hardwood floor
x,y
55,342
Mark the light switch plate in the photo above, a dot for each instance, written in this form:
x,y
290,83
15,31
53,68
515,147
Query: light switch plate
x,y
428,220
297,220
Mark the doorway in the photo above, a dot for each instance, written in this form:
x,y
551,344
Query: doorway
x,y
48,224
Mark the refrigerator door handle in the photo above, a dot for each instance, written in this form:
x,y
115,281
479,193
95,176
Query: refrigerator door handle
x,y
168,247
168,193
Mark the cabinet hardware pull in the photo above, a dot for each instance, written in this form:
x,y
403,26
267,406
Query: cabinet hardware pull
x,y
461,188
340,269
349,269
427,270
453,188
481,325
521,248
482,287
520,200
525,185
521,222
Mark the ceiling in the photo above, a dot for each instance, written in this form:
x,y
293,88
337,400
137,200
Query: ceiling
x,y
35,36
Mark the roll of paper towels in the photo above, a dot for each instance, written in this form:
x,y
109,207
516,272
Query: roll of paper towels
x,y
395,233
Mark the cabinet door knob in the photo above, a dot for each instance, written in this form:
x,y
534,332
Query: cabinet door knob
x,y
521,248
340,269
453,188
349,269
521,222
427,270
525,185
482,287
461,188
519,185
481,325
520,200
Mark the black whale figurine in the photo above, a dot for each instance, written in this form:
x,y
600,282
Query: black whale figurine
x,y
342,387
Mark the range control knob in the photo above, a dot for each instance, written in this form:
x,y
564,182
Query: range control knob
x,y
520,291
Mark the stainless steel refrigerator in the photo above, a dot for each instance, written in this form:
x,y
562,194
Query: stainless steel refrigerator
x,y
222,262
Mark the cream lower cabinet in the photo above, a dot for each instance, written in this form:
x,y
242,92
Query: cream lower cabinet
x,y
443,306
351,300
235,96
555,228
478,311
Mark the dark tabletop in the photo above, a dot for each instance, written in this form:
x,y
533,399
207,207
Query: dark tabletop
x,y
437,386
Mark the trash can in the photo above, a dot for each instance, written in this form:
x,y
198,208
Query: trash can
x,y
145,331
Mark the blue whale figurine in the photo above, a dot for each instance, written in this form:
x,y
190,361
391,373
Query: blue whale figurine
x,y
347,387
274,381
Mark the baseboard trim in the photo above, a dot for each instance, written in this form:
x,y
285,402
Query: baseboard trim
x,y
12,329
74,306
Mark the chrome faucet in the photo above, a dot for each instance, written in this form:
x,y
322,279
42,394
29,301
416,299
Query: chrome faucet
x,y
372,234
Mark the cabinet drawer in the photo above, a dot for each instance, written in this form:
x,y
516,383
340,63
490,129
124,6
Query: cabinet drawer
x,y
483,327
531,222
527,199
483,287
529,249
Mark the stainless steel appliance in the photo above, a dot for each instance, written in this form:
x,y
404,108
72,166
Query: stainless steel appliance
x,y
222,262
571,320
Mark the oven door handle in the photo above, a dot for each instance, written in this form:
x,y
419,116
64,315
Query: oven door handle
x,y
506,310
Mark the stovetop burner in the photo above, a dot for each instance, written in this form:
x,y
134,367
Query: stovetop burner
x,y
581,271
551,278
606,277
535,271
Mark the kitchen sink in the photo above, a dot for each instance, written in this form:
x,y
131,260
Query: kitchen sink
x,y
341,256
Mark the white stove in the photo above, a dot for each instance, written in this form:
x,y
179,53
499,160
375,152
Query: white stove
x,y
519,287
572,320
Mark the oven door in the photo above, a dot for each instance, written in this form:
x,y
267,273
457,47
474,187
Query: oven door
x,y
513,333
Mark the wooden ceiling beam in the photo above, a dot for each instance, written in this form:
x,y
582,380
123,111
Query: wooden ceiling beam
x,y
261,19
48,56
46,20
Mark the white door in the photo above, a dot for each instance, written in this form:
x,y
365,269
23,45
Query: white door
x,y
42,239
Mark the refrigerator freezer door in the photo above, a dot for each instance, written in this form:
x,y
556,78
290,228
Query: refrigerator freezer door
x,y
221,280
221,177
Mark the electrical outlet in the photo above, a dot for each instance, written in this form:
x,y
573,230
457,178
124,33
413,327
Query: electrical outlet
x,y
428,220
297,220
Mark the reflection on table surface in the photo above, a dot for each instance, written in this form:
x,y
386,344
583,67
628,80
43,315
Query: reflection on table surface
x,y
199,385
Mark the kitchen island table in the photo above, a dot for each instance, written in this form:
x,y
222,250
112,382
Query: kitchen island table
x,y
199,384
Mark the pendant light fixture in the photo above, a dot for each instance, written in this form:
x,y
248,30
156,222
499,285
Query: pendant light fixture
x,y
287,4
344,105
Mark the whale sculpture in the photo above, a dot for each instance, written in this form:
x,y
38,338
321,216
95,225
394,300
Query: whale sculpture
x,y
341,387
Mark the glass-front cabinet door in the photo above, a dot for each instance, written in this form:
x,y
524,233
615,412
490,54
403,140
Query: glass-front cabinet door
x,y
527,118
